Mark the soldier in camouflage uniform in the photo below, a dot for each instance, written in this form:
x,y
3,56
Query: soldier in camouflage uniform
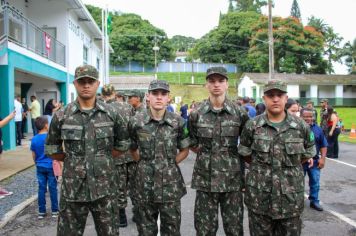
x,y
275,144
126,111
135,98
92,133
214,129
324,116
156,134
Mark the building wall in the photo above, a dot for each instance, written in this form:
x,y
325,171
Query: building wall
x,y
349,91
326,91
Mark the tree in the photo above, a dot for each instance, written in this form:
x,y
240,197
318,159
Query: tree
x,y
95,13
229,42
250,5
349,50
231,7
133,38
295,11
182,43
332,40
297,49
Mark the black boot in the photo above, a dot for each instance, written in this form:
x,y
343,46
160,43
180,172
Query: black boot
x,y
123,219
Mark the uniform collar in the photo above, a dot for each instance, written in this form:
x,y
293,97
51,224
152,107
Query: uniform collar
x,y
167,118
227,106
99,106
290,121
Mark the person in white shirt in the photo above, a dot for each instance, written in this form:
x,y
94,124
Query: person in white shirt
x,y
18,119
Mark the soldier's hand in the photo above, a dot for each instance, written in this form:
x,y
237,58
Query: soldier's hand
x,y
321,163
311,163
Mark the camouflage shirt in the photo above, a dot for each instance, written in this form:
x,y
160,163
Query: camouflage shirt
x,y
217,165
158,177
275,182
126,111
88,137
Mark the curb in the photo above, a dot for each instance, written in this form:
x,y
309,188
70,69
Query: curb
x,y
16,210
19,171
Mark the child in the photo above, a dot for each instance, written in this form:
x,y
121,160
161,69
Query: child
x,y
44,169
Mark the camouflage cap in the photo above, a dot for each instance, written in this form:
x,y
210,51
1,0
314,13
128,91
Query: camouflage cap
x,y
108,90
324,100
310,102
275,84
134,93
218,70
159,84
86,71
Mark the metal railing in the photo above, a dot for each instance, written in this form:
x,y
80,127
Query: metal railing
x,y
18,29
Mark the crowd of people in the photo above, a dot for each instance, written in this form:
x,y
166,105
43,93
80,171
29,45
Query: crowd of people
x,y
112,149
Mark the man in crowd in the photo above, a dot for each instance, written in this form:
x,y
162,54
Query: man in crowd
x,y
318,162
35,110
276,144
214,129
126,111
249,108
156,134
324,116
92,133
18,119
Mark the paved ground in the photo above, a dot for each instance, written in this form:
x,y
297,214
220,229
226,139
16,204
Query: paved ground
x,y
338,191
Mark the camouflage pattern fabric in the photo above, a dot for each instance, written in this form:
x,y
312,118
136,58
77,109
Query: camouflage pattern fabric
x,y
219,70
262,225
170,216
86,71
324,121
217,165
275,84
275,182
157,178
88,137
73,217
206,213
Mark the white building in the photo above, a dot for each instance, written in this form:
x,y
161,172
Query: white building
x,y
339,89
41,44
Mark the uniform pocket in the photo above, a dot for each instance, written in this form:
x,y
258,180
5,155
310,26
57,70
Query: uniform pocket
x,y
229,135
258,192
104,133
294,149
72,138
261,147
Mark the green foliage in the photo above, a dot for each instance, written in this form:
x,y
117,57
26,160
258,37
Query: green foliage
x,y
296,49
295,11
133,39
182,43
229,42
332,49
250,5
109,23
95,13
349,50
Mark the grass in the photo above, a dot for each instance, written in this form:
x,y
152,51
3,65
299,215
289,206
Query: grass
x,y
181,77
345,138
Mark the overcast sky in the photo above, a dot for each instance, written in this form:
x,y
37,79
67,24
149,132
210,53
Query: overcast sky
x,y
197,17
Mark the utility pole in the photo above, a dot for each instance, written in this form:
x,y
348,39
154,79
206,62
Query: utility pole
x,y
270,41
155,49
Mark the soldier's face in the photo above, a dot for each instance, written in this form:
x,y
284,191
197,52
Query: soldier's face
x,y
86,87
308,117
310,106
217,85
134,101
275,101
158,99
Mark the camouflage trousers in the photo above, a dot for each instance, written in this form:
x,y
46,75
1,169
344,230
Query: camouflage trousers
x,y
131,172
73,216
170,216
207,208
121,192
262,225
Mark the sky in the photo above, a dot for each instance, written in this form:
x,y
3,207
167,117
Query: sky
x,y
195,18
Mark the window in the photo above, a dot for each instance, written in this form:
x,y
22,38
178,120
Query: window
x,y
85,55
